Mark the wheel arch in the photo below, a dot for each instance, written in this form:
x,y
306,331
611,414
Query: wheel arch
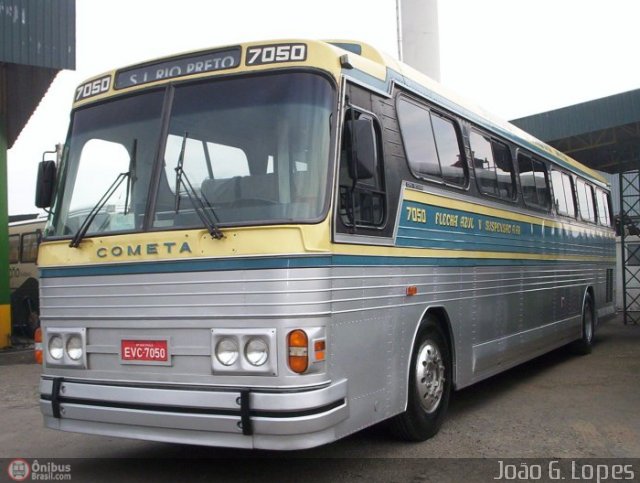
x,y
440,316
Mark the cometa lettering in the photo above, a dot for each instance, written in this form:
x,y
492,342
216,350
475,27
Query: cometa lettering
x,y
164,248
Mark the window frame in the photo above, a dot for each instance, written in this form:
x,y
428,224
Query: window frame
x,y
380,167
533,159
12,260
38,237
455,121
607,208
593,201
564,175
493,141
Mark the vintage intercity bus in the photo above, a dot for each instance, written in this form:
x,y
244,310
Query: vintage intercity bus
x,y
277,244
25,234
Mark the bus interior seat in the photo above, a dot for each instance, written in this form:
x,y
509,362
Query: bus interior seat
x,y
221,191
232,190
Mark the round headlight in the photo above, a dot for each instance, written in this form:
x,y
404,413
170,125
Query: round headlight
x,y
74,347
56,347
256,352
227,351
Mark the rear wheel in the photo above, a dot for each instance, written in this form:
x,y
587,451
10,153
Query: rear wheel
x,y
429,386
585,344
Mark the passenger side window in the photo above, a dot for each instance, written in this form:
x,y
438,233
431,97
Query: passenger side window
x,y
362,193
533,179
493,166
30,243
14,248
563,193
585,201
504,171
602,199
432,144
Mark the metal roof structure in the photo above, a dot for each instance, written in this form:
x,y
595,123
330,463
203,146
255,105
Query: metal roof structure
x,y
603,134
37,40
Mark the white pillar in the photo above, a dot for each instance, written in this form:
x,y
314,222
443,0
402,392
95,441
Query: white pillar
x,y
418,36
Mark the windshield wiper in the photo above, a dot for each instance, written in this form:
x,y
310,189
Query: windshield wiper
x,y
206,213
131,179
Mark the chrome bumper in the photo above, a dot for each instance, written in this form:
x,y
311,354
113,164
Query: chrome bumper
x,y
230,418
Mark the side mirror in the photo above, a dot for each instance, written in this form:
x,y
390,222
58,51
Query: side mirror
x,y
45,183
361,138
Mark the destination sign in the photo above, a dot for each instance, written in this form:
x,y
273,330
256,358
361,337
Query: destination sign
x,y
169,69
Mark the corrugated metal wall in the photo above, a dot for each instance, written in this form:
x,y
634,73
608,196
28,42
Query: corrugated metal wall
x,y
38,33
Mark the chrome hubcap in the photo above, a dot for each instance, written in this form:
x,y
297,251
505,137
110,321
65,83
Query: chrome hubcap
x,y
430,376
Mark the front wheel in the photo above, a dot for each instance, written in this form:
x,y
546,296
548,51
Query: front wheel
x,y
429,386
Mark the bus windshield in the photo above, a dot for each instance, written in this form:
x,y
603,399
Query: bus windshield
x,y
251,151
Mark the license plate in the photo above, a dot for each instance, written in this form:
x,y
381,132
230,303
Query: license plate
x,y
144,351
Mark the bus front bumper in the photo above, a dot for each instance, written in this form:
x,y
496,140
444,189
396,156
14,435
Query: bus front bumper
x,y
228,418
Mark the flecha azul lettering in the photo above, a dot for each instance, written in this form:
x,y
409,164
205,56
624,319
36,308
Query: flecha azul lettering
x,y
446,219
124,251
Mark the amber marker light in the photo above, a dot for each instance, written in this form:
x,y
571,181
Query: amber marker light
x,y
298,348
319,347
37,339
412,290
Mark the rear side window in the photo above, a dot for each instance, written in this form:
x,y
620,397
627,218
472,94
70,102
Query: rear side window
x,y
432,144
563,193
534,183
493,166
30,243
14,248
585,201
602,200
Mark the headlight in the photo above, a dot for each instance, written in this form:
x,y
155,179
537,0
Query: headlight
x,y
74,347
56,347
227,351
257,352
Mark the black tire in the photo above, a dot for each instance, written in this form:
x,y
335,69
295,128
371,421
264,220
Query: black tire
x,y
425,410
584,345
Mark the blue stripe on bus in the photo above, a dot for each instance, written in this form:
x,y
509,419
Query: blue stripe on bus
x,y
170,266
454,229
266,263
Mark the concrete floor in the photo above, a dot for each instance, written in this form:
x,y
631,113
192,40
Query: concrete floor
x,y
557,406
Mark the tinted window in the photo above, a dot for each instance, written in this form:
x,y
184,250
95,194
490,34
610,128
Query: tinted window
x,y
603,208
419,143
563,193
483,163
29,247
504,170
542,187
527,181
558,192
14,248
362,201
585,201
493,166
432,144
568,194
533,179
451,159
